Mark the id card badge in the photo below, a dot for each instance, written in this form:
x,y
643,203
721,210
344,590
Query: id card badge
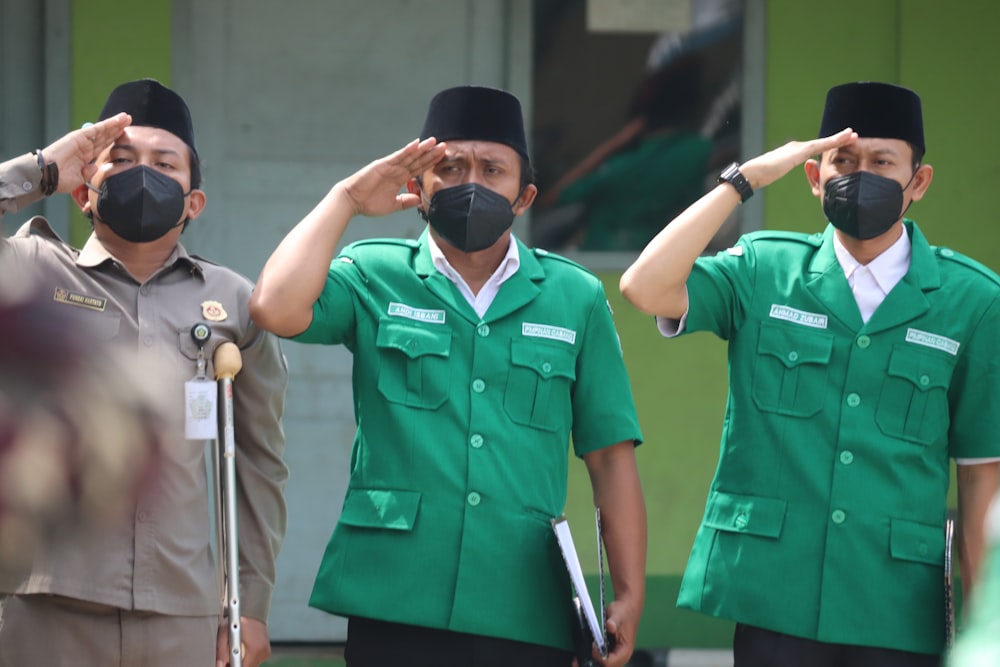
x,y
201,397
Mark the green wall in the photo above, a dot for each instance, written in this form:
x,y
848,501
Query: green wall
x,y
111,42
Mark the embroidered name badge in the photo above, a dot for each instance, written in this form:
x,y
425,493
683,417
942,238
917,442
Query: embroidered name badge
x,y
420,314
932,340
815,320
63,295
547,331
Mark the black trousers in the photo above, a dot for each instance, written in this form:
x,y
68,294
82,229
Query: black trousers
x,y
756,647
372,643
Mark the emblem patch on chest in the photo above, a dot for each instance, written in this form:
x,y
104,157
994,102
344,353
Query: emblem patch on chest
x,y
63,295
548,331
932,340
806,319
420,314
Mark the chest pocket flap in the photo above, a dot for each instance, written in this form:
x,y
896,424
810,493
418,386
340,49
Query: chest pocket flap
x,y
390,509
924,371
795,349
414,341
548,361
754,515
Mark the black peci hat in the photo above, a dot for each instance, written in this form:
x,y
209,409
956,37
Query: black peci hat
x,y
476,113
152,104
874,109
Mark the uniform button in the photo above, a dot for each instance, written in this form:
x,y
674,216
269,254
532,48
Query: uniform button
x,y
144,290
947,252
143,515
483,330
853,400
925,380
741,521
838,516
27,186
476,441
478,386
847,458
546,367
793,356
864,342
147,341
473,498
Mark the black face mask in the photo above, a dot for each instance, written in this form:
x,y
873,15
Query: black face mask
x,y
469,216
140,204
863,205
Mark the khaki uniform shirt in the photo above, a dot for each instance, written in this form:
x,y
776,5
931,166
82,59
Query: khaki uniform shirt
x,y
460,458
826,516
160,560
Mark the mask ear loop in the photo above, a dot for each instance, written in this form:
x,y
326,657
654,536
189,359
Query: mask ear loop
x,y
905,187
423,197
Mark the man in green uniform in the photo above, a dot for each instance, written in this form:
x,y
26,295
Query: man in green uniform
x,y
861,360
475,359
143,590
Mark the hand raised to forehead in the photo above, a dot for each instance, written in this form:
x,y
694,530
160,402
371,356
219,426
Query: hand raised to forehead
x,y
375,189
769,167
75,152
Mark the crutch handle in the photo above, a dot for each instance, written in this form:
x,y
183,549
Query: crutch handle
x,y
228,361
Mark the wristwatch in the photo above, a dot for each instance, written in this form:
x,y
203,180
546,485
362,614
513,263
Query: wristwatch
x,y
735,177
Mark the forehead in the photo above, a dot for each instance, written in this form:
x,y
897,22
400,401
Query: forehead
x,y
144,138
877,145
487,151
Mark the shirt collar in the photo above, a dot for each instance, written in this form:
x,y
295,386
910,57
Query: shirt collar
x,y
887,269
508,265
94,254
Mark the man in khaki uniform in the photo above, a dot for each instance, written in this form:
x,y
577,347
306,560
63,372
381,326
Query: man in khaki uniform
x,y
143,590
862,360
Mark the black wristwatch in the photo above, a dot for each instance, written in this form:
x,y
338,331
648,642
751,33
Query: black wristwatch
x,y
735,177
50,174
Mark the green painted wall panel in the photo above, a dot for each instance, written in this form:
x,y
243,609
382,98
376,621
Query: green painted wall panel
x,y
113,41
811,47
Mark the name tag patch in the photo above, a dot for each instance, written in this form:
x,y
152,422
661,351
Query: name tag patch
x,y
815,320
419,314
548,331
932,340
63,295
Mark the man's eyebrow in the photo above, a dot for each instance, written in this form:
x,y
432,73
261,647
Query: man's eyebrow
x,y
158,151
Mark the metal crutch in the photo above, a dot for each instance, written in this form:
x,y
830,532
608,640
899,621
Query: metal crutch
x,y
228,363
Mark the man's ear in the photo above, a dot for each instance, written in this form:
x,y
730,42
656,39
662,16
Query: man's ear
x,y
527,198
921,181
195,204
81,195
811,168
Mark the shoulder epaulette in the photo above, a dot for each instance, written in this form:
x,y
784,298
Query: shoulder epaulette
x,y
410,243
544,254
777,235
959,258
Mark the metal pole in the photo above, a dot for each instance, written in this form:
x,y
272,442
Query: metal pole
x,y
228,363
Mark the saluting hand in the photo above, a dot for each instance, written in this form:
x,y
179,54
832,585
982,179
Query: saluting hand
x,y
74,152
769,167
375,189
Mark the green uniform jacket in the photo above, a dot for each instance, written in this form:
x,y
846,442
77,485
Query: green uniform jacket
x,y
460,457
825,519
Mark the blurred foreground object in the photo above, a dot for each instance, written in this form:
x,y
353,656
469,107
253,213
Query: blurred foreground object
x,y
978,644
80,433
